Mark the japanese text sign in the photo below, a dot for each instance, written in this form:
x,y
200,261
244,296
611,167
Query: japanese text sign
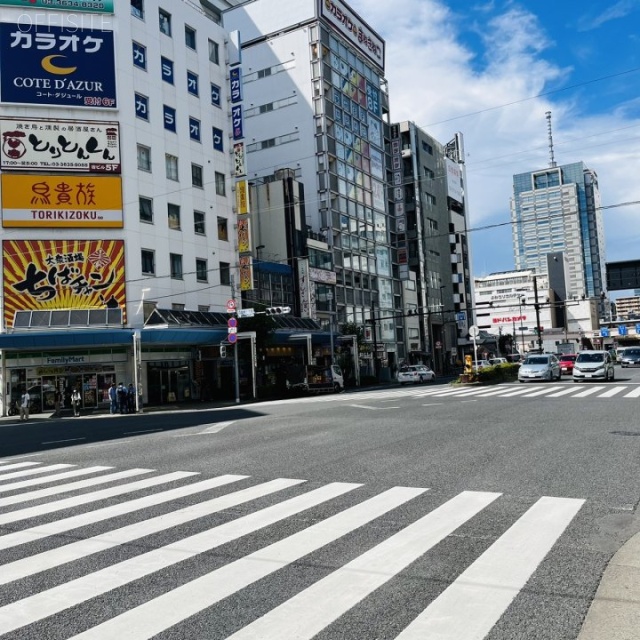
x,y
87,6
61,201
61,145
246,273
235,85
62,274
63,66
242,197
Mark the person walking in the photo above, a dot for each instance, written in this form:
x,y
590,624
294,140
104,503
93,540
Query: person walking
x,y
25,400
75,401
113,398
57,402
131,398
122,398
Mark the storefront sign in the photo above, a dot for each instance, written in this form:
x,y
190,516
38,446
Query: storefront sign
x,y
242,197
244,235
41,275
246,273
63,66
61,201
60,145
85,6
235,85
239,164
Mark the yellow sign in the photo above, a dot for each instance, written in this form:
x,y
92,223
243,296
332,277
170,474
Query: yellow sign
x,y
74,200
244,235
246,273
242,197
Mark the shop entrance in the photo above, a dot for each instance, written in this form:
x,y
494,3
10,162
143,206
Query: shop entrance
x,y
168,382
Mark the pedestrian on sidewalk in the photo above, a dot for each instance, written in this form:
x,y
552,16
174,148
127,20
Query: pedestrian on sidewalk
x,y
57,402
113,398
131,398
122,398
75,401
25,400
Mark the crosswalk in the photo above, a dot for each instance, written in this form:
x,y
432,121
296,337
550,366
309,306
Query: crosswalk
x,y
538,390
134,553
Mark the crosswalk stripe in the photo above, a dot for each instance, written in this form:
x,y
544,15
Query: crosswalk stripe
x,y
564,392
517,392
541,392
47,603
633,394
22,484
588,392
74,522
72,486
83,548
32,471
19,465
611,392
75,501
310,611
153,617
485,590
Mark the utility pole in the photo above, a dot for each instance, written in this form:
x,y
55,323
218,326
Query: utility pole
x,y
236,369
375,339
537,308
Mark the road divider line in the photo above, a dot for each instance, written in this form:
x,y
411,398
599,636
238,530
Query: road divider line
x,y
63,441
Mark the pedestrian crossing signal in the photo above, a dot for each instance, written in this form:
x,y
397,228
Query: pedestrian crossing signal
x,y
223,351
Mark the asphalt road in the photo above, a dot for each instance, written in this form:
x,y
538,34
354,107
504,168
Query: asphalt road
x,y
403,513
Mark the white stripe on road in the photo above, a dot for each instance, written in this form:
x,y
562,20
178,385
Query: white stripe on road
x,y
612,392
74,592
54,478
541,392
73,522
167,610
564,392
633,394
309,612
216,427
470,606
518,392
72,486
588,392
19,465
83,548
87,498
32,472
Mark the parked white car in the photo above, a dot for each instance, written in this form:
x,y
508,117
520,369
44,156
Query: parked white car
x,y
539,366
408,375
593,365
426,374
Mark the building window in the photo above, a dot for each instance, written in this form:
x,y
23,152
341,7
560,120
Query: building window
x,y
192,83
263,73
427,147
145,206
225,273
137,9
148,258
203,308
165,22
144,158
166,67
220,184
267,144
190,37
173,211
177,306
196,175
265,108
171,163
223,229
214,52
139,55
175,260
142,106
198,223
202,273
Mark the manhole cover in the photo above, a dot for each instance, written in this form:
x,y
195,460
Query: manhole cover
x,y
626,433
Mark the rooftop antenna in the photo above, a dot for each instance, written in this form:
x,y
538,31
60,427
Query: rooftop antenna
x,y
552,161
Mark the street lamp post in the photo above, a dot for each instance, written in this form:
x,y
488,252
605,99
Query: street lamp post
x,y
521,302
442,330
330,300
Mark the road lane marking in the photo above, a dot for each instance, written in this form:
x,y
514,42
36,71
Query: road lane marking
x,y
57,599
588,392
21,484
32,471
63,441
153,617
306,614
215,427
485,590
611,392
18,465
633,394
133,433
541,392
564,392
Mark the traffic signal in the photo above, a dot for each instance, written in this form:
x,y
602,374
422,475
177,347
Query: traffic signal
x,y
277,311
223,351
413,312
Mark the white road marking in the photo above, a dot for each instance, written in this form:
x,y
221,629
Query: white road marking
x,y
216,427
485,590
633,394
32,472
588,392
63,441
21,484
612,392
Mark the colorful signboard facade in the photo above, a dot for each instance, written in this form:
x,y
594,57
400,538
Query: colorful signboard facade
x,y
44,275
84,6
60,145
59,66
61,201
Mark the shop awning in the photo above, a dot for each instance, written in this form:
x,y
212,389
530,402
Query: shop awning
x,y
64,339
171,336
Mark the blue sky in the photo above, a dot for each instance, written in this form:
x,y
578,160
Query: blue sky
x,y
492,70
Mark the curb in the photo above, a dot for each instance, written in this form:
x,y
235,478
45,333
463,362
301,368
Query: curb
x,y
615,611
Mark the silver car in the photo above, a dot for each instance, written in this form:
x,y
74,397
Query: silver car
x,y
630,358
593,365
540,366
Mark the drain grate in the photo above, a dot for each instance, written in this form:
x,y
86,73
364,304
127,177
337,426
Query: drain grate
x,y
625,433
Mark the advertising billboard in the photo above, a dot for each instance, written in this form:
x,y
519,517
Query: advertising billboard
x,y
61,66
59,145
61,201
84,6
454,181
41,275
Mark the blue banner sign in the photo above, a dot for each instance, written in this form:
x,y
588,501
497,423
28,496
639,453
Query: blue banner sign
x,y
235,85
67,67
236,122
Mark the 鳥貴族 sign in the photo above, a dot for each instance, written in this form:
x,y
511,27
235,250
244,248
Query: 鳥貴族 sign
x,y
85,6
63,66
60,145
62,200
62,274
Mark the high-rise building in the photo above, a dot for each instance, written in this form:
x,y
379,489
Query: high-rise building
x,y
315,103
557,209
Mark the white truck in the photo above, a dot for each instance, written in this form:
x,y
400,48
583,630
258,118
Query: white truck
x,y
315,379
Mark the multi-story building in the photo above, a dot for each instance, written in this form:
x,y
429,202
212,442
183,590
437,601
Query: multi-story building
x,y
431,232
315,103
557,209
628,308
117,202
